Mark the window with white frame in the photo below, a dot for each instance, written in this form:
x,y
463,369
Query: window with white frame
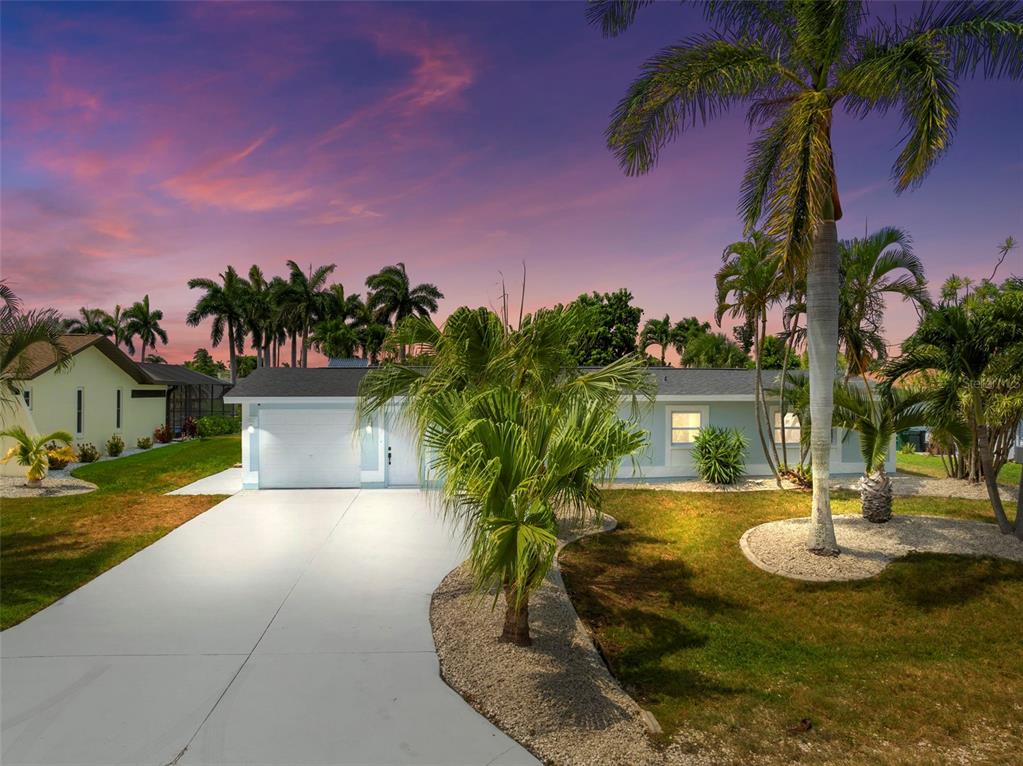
x,y
791,428
685,425
118,398
79,411
26,394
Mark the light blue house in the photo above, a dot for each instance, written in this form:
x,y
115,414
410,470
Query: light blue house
x,y
299,429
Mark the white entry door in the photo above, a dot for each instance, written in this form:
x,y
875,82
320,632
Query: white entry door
x,y
307,448
402,458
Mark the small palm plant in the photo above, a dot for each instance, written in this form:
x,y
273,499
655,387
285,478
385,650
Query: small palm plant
x,y
720,454
877,416
32,452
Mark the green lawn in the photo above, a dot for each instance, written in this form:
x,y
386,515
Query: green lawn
x,y
913,666
922,464
50,546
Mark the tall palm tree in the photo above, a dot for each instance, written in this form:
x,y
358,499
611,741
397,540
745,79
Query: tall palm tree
x,y
304,301
750,281
877,418
686,329
392,298
713,349
19,331
119,329
279,322
258,309
657,332
90,321
224,303
144,324
517,434
794,63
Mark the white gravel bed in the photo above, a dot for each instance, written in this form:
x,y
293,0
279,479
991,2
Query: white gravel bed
x,y
779,547
909,485
557,697
52,486
697,485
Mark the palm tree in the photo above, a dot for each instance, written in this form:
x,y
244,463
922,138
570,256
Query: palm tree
x,y
144,324
517,434
90,321
223,302
657,332
392,298
20,331
794,63
684,330
154,359
877,418
257,308
334,338
280,320
119,329
304,302
749,283
713,349
31,451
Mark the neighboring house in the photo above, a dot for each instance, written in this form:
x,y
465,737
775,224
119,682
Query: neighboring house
x,y
103,393
299,429
190,394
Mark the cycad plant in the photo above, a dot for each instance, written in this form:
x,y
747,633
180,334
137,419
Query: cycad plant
x,y
515,434
877,416
31,451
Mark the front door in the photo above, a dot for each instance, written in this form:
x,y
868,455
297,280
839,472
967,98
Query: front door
x,y
402,458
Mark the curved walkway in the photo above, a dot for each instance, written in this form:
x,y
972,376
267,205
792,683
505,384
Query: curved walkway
x,y
280,627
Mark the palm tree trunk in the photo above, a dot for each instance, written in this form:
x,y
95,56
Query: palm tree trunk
x,y
294,348
990,481
822,341
516,620
142,352
663,350
876,496
305,344
231,352
759,406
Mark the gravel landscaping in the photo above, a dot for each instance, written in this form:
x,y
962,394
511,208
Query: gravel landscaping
x,y
779,547
54,485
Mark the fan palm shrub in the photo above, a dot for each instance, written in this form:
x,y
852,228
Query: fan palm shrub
x,y
32,451
720,454
515,434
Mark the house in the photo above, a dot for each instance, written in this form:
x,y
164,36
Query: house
x,y
190,394
299,429
103,393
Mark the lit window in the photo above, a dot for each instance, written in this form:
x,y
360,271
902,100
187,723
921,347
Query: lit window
x,y
685,426
791,428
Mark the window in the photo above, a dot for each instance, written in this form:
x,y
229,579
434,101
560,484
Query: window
x,y
79,410
684,426
26,394
117,409
791,428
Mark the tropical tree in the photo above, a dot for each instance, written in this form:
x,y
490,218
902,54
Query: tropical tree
x,y
144,324
90,321
684,330
21,330
392,298
516,432
280,324
119,329
712,349
749,282
877,417
202,361
257,307
334,338
612,327
794,63
657,332
224,303
304,301
155,359
30,451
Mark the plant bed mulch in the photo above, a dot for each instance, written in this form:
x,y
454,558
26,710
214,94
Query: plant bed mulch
x,y
52,486
779,547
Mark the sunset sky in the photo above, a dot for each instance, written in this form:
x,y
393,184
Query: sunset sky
x,y
144,144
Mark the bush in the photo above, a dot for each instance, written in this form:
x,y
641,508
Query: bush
x,y
60,456
162,434
907,448
144,442
218,425
189,429
87,453
115,445
719,454
801,476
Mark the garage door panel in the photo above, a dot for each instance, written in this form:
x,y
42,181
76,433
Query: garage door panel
x,y
308,448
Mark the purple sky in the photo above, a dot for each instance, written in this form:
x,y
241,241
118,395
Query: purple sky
x,y
145,144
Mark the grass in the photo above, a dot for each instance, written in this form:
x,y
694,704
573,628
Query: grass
x,y
51,545
918,665
922,464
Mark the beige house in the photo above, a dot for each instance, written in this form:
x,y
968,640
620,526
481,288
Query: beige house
x,y
103,393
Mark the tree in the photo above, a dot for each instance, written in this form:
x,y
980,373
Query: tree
x,y
773,354
257,308
334,338
518,435
712,349
877,418
304,298
90,321
30,451
613,327
40,330
686,329
246,364
144,324
119,329
204,363
973,355
392,298
224,303
154,359
656,332
794,63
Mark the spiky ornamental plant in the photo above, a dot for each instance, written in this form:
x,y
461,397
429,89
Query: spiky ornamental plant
x,y
720,454
31,451
794,63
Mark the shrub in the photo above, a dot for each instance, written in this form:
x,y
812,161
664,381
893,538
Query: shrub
x,y
189,429
115,445
719,454
907,448
60,456
162,434
218,425
801,476
144,442
87,453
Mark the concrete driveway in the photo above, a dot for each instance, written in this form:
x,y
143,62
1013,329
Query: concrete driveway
x,y
280,627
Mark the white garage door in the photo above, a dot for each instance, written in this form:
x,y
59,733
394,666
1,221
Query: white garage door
x,y
307,448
